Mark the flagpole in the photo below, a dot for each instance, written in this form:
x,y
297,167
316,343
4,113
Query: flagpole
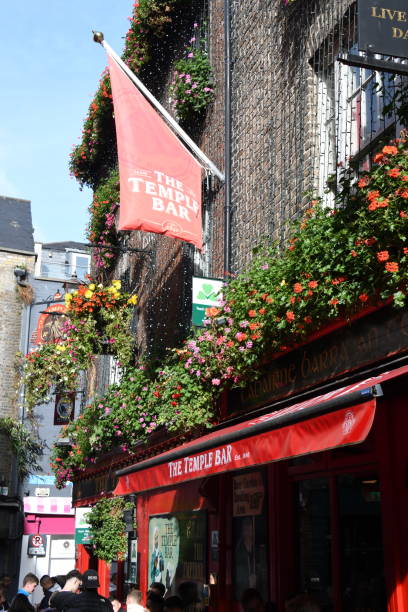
x,y
98,37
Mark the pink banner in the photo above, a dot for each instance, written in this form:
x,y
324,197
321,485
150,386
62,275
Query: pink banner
x,y
160,181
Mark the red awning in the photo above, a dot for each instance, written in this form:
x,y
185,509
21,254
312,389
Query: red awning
x,y
338,418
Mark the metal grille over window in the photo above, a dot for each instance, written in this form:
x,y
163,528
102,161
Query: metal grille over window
x,y
331,113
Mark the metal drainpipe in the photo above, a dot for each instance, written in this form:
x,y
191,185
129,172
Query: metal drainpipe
x,y
227,138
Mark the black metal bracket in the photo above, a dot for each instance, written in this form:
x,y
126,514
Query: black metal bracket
x,y
119,248
350,59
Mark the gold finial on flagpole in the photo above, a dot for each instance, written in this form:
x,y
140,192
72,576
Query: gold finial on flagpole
x,y
98,36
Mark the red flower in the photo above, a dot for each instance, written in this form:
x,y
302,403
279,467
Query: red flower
x,y
373,206
363,297
383,203
403,193
312,284
252,313
373,195
353,253
334,301
307,319
391,266
297,288
378,157
370,241
403,215
292,300
363,182
383,255
290,316
394,172
390,150
262,311
405,251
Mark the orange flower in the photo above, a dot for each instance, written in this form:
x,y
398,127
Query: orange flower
x,y
394,172
404,177
334,301
383,255
292,299
290,316
363,182
312,284
378,157
269,300
297,288
390,150
253,326
255,336
403,215
353,253
252,313
212,312
373,195
370,241
403,193
262,311
391,266
383,203
363,297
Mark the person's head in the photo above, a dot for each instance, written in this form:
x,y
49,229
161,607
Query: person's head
x,y
302,603
251,601
155,602
5,581
30,582
134,597
90,580
116,605
173,604
158,587
46,582
60,580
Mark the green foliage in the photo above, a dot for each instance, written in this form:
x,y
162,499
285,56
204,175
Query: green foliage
x,y
26,448
98,322
101,229
192,87
337,262
107,529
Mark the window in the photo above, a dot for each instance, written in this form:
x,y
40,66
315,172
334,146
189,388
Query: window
x,y
350,110
78,264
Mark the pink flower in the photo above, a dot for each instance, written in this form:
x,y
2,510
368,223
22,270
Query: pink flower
x,y
216,381
190,55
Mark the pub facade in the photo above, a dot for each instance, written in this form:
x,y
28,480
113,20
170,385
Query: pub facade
x,y
301,485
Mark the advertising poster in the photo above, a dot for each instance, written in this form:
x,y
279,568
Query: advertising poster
x,y
177,557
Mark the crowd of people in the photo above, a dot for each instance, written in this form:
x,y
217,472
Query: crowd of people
x,y
76,592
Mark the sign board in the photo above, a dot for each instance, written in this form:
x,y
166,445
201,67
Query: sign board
x,y
248,494
132,575
206,294
37,545
42,492
383,27
177,553
82,527
64,408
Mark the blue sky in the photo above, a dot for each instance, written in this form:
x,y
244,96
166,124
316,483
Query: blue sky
x,y
50,69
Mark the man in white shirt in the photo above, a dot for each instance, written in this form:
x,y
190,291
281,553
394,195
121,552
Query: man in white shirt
x,y
133,601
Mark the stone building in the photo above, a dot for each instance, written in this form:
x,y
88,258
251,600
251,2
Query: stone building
x,y
17,259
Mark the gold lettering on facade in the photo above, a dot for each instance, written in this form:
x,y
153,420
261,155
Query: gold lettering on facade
x,y
386,13
398,33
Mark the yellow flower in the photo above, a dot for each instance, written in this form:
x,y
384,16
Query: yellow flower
x,y
111,290
60,347
88,294
132,299
92,287
117,284
75,292
283,283
68,297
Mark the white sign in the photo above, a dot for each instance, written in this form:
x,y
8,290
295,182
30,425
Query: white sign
x,y
206,294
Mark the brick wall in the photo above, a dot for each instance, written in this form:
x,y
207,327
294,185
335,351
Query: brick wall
x,y
11,309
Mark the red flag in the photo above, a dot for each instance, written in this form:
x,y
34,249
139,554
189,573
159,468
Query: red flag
x,y
160,181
